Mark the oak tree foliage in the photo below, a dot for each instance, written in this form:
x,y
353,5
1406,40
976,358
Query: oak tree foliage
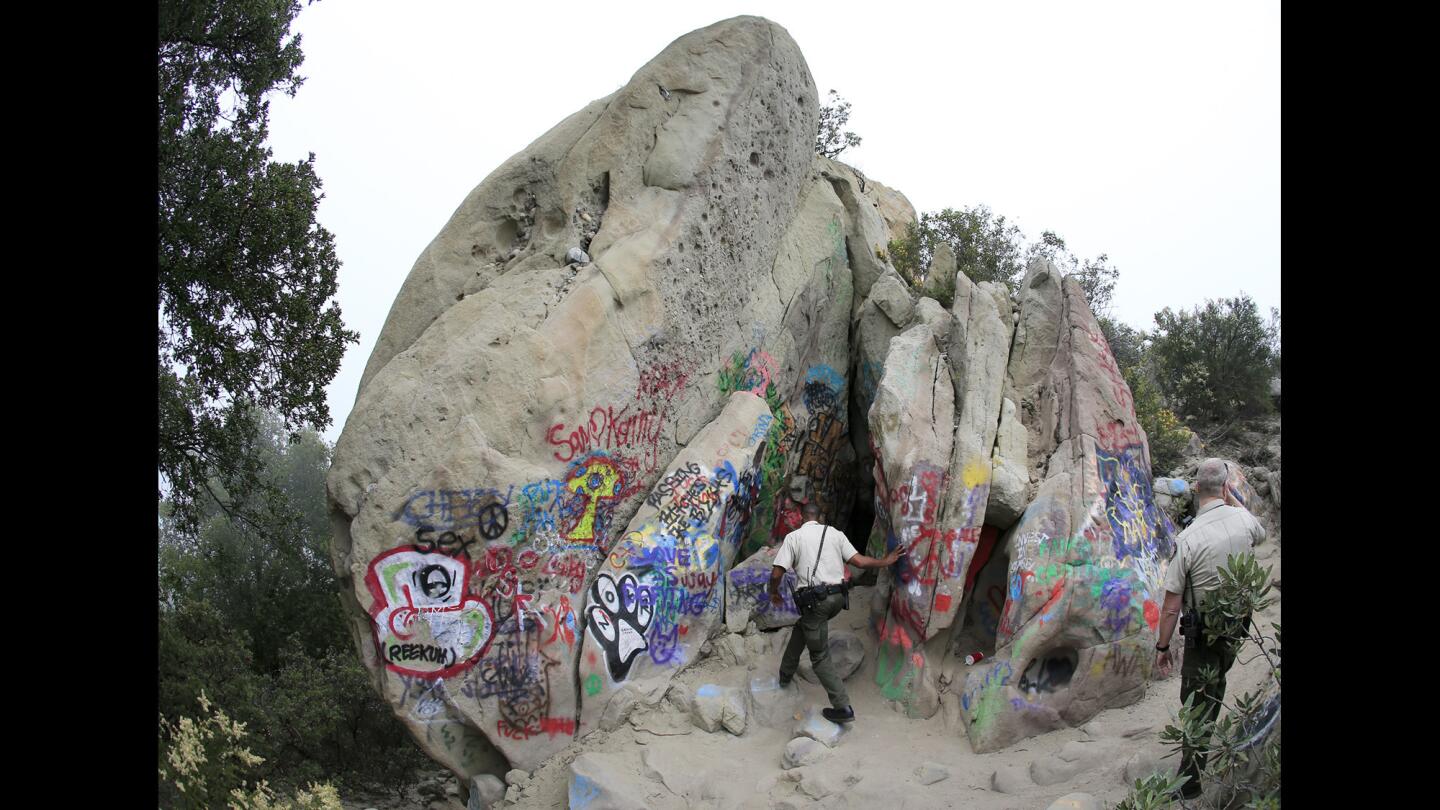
x,y
246,274
1214,362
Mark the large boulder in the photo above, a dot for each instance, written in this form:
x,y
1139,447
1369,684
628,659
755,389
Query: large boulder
x,y
1086,560
519,408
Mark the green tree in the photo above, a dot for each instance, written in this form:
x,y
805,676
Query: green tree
x,y
1214,363
1126,342
1166,435
246,275
1095,276
250,615
830,140
986,248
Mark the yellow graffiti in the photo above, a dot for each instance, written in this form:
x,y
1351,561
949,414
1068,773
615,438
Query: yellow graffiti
x,y
975,473
598,482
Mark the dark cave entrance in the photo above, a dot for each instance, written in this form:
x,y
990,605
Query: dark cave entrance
x,y
983,603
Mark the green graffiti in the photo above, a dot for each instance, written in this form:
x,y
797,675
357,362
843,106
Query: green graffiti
x,y
592,684
890,667
772,464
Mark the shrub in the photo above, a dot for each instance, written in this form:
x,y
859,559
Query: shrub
x,y
203,764
1167,436
1243,763
830,141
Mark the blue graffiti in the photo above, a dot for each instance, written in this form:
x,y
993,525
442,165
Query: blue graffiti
x,y
1138,526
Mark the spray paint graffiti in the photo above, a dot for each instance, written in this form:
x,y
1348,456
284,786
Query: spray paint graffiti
x,y
425,623
984,699
751,587
619,613
1137,525
485,510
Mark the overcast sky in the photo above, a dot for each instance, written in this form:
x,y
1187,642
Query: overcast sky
x,y
1146,131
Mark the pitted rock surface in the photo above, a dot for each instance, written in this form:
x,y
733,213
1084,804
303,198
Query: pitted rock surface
x,y
635,349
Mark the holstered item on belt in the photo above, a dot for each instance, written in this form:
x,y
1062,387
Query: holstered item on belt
x,y
807,598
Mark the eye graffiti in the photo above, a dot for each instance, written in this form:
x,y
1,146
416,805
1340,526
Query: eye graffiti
x,y
434,581
618,615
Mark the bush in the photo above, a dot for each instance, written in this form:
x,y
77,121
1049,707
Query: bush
x,y
988,249
1214,363
985,247
1167,436
1243,764
204,765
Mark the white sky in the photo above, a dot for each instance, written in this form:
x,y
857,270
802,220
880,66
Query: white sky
x,y
1147,131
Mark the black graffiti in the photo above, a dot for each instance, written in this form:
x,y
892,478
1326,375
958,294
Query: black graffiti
x,y
493,520
444,656
667,485
819,397
447,543
1047,674
618,615
435,581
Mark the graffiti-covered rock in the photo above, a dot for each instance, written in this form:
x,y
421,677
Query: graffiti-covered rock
x,y
911,425
748,589
519,407
1086,558
660,590
609,385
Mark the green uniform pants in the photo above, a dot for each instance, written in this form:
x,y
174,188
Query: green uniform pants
x,y
812,632
1198,654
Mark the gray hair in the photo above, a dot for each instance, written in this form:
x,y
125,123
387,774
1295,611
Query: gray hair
x,y
1211,477
812,510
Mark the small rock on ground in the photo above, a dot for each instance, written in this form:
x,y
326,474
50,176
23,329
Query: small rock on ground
x,y
1076,801
931,772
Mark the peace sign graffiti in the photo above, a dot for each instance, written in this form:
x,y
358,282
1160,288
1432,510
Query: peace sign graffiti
x,y
493,520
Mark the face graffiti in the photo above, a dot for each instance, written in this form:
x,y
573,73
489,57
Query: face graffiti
x,y
424,622
618,615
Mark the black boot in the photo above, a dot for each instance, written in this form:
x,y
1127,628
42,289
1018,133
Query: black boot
x,y
844,715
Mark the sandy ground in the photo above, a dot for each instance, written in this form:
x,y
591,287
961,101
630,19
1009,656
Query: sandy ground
x,y
875,762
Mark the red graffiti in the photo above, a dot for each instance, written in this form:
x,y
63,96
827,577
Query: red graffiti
x,y
1115,434
902,611
1152,614
561,623
567,567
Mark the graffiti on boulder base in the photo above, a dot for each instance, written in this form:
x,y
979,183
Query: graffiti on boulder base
x,y
618,615
425,622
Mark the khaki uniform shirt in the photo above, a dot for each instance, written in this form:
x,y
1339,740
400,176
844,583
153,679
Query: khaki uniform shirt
x,y
800,547
1218,531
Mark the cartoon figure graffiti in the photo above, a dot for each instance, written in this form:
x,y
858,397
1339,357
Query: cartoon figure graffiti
x,y
425,622
619,613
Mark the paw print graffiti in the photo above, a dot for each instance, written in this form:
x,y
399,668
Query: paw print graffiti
x,y
619,613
